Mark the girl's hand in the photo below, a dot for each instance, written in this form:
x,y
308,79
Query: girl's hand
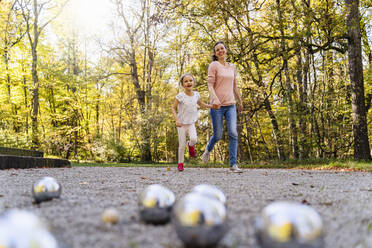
x,y
178,124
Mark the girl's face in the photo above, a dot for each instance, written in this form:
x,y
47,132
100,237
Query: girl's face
x,y
220,51
188,82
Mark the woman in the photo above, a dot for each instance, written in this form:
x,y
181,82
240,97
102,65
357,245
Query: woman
x,y
223,92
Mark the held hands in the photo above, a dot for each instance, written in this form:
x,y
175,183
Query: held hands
x,y
216,106
209,105
178,124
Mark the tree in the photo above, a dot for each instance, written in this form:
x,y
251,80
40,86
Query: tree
x,y
32,15
360,130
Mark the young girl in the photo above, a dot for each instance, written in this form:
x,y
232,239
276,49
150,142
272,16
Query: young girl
x,y
187,115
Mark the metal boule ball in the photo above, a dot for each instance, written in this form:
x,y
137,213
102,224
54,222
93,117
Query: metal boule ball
x,y
5,235
200,221
210,191
289,225
368,241
155,204
35,239
110,215
23,220
46,189
23,229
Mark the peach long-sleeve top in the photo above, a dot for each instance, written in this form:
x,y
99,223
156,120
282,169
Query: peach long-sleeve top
x,y
221,82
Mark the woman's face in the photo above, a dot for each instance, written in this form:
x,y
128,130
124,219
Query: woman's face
x,y
220,51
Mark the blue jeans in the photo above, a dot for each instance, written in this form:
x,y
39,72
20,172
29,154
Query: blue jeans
x,y
229,112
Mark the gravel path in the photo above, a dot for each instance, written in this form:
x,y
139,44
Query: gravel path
x,y
343,199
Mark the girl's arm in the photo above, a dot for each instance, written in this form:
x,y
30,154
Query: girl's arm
x,y
174,112
203,104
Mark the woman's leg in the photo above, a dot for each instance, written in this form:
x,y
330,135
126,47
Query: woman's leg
x,y
217,121
181,143
230,116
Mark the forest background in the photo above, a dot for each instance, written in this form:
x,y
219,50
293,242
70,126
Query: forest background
x,y
106,96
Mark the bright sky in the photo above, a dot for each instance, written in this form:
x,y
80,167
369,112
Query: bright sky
x,y
91,16
89,20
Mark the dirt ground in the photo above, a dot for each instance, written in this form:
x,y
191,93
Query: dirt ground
x,y
343,199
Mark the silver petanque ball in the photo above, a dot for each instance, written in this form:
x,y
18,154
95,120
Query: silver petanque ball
x,y
200,221
210,191
46,189
155,204
289,225
23,229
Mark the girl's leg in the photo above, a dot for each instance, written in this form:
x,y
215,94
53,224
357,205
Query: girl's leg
x,y
181,143
192,134
217,121
193,139
233,134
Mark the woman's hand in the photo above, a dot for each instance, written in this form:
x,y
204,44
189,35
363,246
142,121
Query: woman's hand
x,y
178,124
240,107
216,106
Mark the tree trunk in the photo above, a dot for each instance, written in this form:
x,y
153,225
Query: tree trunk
x,y
276,132
302,105
248,139
145,145
267,105
360,130
262,137
35,86
97,117
292,123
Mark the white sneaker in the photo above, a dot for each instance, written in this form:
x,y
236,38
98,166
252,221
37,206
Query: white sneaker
x,y
205,156
236,169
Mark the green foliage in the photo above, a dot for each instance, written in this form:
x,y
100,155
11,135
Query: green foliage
x,y
93,111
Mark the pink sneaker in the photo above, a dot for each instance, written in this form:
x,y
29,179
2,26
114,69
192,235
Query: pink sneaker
x,y
180,166
191,151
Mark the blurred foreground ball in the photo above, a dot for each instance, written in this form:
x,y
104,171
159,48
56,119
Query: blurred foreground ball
x,y
200,221
155,204
110,215
289,225
46,189
23,229
210,191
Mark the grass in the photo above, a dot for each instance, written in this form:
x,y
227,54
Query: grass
x,y
310,164
313,164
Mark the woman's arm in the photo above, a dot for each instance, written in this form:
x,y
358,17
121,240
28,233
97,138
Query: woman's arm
x,y
212,71
237,93
174,112
240,102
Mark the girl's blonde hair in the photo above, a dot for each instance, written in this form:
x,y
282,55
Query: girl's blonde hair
x,y
184,75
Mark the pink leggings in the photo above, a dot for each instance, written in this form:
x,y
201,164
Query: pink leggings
x,y
182,132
